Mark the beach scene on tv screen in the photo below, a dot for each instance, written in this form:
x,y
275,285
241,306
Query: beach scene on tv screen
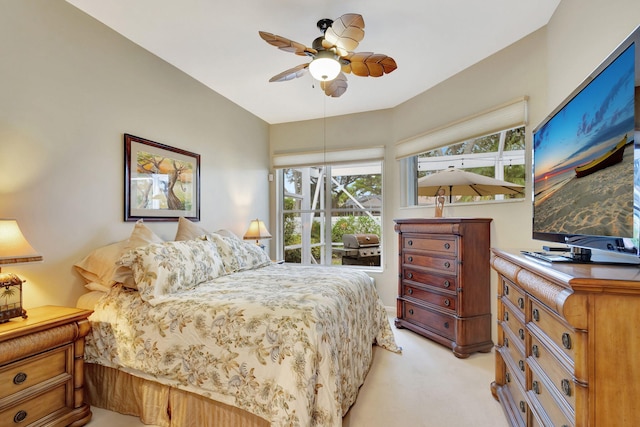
x,y
584,158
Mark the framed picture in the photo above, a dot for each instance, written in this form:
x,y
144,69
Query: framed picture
x,y
161,183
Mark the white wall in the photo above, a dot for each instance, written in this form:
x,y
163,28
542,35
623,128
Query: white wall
x,y
69,88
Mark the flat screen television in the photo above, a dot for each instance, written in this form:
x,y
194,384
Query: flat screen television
x,y
586,165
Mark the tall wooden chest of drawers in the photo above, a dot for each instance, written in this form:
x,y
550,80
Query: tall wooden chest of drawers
x,y
568,343
444,281
42,368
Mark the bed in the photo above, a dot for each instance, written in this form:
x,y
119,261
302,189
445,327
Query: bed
x,y
208,331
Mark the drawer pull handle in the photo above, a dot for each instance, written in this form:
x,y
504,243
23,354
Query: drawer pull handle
x,y
20,416
536,315
410,291
410,275
506,342
506,316
507,377
410,242
19,378
447,303
523,407
447,264
447,283
506,289
535,350
521,302
521,333
411,311
566,341
447,246
410,259
521,365
566,387
536,387
446,325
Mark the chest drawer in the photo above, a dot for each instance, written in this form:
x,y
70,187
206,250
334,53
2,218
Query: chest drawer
x,y
555,330
440,323
444,265
447,302
449,283
27,412
514,322
512,352
431,243
21,375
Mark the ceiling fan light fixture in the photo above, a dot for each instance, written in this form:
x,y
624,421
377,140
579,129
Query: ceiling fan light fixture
x,y
325,67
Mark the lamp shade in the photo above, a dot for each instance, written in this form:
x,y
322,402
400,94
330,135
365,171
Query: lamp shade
x,y
257,231
325,66
14,248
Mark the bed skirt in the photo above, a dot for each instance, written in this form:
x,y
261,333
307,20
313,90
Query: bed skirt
x,y
159,404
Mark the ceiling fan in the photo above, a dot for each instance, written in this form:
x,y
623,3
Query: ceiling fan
x,y
333,55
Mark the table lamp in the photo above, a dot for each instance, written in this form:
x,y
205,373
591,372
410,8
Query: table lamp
x,y
14,249
257,230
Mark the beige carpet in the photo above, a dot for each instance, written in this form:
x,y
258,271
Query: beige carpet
x,y
425,386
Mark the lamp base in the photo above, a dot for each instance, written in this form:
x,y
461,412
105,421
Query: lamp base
x,y
8,314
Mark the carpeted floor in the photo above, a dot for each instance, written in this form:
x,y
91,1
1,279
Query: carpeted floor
x,y
425,386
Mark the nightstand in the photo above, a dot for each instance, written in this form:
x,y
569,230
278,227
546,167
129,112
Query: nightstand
x,y
41,368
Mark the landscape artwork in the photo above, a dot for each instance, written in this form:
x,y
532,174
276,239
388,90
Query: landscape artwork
x,y
162,182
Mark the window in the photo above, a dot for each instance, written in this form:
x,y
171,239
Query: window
x,y
320,204
500,155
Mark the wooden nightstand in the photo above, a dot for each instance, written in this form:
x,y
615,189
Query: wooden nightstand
x,y
41,368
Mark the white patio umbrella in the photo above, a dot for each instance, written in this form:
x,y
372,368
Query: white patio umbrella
x,y
461,183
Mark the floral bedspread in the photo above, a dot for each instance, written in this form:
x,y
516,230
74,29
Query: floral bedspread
x,y
291,344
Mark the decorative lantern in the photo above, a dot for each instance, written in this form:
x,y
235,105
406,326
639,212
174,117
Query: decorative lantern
x,y
14,249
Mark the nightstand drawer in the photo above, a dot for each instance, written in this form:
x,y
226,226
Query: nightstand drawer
x,y
27,412
34,370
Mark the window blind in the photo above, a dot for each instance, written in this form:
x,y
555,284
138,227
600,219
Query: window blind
x,y
315,158
505,116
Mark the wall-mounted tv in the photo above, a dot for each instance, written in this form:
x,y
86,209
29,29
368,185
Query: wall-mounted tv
x,y
586,163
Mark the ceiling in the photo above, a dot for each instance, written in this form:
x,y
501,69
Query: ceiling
x,y
217,43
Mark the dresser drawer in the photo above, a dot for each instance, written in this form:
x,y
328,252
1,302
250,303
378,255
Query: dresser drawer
x,y
447,302
543,397
26,373
440,323
513,294
513,320
561,379
516,390
25,413
557,331
437,281
514,355
431,243
444,265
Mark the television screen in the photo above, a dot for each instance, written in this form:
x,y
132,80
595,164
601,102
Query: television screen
x,y
584,160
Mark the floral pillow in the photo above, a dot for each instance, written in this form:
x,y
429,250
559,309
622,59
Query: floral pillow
x,y
238,255
162,269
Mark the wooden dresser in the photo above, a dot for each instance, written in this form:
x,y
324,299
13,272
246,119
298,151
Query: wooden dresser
x,y
42,368
568,351
444,281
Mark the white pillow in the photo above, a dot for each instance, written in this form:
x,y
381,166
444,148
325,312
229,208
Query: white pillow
x,y
100,265
162,269
238,255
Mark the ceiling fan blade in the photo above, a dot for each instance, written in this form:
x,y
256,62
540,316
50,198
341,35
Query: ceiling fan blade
x,y
369,64
290,74
345,33
335,87
287,45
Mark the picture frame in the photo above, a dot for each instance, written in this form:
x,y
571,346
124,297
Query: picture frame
x,y
161,183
